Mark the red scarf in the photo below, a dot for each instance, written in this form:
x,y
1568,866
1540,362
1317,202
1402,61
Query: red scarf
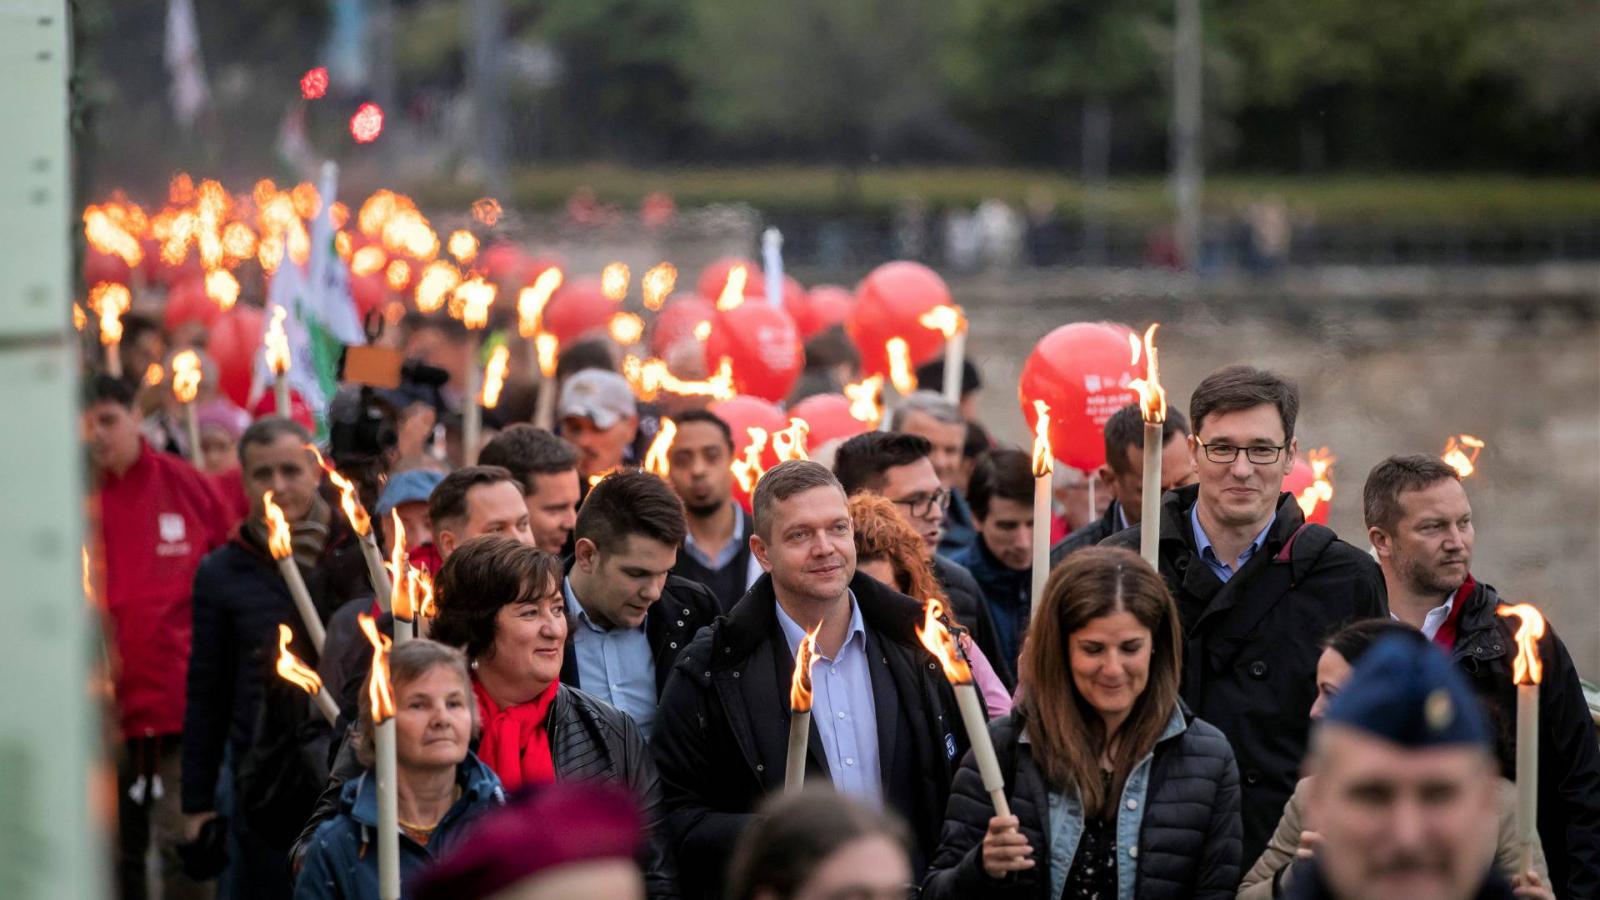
x,y
1446,635
515,742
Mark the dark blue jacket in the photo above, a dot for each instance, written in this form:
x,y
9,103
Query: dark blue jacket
x,y
959,530
341,862
1008,593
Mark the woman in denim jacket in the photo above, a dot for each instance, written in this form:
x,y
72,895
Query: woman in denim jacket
x,y
1116,790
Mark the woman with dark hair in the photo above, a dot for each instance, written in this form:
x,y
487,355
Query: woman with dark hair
x,y
817,845
1291,843
442,788
1116,789
891,551
500,601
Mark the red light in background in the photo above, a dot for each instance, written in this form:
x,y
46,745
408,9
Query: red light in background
x,y
367,123
314,83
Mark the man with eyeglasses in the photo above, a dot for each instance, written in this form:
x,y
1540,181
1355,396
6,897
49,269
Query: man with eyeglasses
x,y
1258,589
899,467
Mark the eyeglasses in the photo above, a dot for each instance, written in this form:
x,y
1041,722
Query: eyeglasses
x,y
920,505
1227,453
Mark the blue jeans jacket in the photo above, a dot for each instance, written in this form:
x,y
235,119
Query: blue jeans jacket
x,y
1066,821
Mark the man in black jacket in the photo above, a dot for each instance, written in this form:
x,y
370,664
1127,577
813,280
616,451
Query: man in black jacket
x,y
1258,589
716,548
899,468
1420,522
884,721
1123,475
628,618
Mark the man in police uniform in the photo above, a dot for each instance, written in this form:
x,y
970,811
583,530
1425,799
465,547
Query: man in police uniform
x,y
1403,786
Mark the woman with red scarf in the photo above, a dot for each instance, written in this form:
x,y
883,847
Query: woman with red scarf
x,y
501,603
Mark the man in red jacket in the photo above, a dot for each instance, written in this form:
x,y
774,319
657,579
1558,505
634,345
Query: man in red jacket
x,y
157,517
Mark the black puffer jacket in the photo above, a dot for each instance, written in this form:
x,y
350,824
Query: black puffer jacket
x,y
1188,845
1251,644
590,741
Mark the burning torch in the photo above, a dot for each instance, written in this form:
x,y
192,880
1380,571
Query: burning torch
x,y
794,769
302,676
280,544
1044,467
185,387
380,694
1153,405
942,644
1527,670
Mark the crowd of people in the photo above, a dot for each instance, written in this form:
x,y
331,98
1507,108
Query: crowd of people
x,y
600,705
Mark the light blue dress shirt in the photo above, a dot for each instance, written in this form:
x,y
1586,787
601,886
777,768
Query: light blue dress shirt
x,y
729,550
614,664
842,708
1223,570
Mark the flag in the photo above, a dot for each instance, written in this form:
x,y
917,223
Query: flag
x,y
182,57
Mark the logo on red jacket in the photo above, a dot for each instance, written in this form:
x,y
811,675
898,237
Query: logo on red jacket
x,y
174,532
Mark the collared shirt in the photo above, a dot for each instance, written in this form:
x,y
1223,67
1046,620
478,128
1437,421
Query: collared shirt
x,y
614,664
1122,518
729,550
1435,618
842,708
1225,571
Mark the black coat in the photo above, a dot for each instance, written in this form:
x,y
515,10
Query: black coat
x,y
1089,535
590,741
1188,838
721,737
684,608
1308,884
239,601
1569,760
1251,645
972,610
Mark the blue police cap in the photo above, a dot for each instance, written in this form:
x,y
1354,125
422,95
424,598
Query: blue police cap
x,y
410,486
1407,691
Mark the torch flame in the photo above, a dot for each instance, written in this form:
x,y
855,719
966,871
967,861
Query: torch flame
x,y
437,281
800,684
278,535
1461,453
866,400
486,210
397,274
1320,490
1527,668
655,459
368,259
400,593
732,296
222,287
109,300
942,644
702,330
291,669
471,300
614,281
380,694
547,347
790,443
900,374
278,358
657,283
186,376
80,319
625,328
349,500
533,299
494,376
649,377
104,232
748,471
1043,462
154,374
945,319
1152,396
603,474
423,584
463,245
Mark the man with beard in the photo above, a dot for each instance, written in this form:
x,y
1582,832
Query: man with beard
x,y
1420,523
1403,786
716,549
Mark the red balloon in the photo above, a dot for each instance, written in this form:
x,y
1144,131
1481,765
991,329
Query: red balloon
x,y
678,318
501,261
829,418
1082,372
742,413
98,267
188,301
715,276
764,346
580,306
830,305
369,291
150,267
189,268
1297,481
795,301
888,303
232,344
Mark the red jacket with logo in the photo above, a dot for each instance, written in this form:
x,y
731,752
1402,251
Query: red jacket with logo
x,y
156,522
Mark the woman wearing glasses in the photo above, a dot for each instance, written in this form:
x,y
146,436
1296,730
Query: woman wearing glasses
x,y
1116,790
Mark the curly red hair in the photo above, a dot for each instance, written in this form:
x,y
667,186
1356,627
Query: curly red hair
x,y
882,534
